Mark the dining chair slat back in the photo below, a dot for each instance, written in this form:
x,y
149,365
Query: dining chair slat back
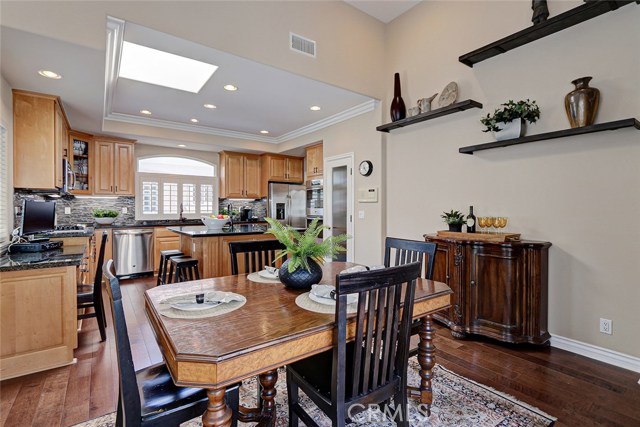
x,y
148,397
408,251
90,296
372,368
256,254
403,251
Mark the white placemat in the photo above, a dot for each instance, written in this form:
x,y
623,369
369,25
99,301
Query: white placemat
x,y
255,277
164,307
303,301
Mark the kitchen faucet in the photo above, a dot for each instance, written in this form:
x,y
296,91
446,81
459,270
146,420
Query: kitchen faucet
x,y
182,217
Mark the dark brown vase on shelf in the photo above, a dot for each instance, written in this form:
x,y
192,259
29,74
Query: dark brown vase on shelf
x,y
582,103
398,110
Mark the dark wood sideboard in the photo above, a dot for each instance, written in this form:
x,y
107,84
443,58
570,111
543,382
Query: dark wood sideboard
x,y
499,288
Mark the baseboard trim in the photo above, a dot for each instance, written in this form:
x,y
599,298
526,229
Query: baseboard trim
x,y
598,353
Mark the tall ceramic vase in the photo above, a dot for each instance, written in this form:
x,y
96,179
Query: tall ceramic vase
x,y
398,110
581,103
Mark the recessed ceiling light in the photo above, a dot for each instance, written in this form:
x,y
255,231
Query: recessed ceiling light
x,y
230,87
50,74
146,112
181,145
210,106
264,131
194,120
160,68
314,108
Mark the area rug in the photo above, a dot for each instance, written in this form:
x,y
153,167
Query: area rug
x,y
457,402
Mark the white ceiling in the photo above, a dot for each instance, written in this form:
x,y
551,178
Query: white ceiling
x,y
385,11
267,98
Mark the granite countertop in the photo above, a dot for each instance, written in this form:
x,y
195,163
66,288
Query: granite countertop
x,y
61,257
202,231
150,224
87,232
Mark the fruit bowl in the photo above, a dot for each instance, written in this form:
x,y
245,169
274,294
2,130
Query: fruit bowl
x,y
214,223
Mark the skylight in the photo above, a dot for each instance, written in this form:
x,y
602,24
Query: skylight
x,y
160,68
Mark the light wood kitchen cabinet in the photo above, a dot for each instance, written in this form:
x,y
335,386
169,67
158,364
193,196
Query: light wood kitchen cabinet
x,y
39,326
282,168
40,141
81,161
315,161
163,240
239,175
114,166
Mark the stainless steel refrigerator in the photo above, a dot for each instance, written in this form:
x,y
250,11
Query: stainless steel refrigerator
x,y
288,203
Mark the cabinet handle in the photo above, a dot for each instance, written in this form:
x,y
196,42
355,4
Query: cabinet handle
x,y
116,188
473,283
111,188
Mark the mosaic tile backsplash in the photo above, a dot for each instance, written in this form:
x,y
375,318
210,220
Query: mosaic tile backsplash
x,y
81,208
259,206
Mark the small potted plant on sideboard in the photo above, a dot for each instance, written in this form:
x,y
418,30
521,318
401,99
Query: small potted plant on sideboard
x,y
454,219
508,122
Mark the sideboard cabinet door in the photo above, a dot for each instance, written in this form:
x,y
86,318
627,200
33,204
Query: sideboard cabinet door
x,y
499,289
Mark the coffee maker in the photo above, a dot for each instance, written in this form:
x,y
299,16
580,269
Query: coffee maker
x,y
246,213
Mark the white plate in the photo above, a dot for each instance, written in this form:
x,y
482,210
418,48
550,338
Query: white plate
x,y
328,301
267,275
194,306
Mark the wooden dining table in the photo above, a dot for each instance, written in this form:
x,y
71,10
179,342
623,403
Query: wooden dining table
x,y
268,332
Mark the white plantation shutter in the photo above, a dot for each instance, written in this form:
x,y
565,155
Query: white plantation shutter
x,y
5,228
158,196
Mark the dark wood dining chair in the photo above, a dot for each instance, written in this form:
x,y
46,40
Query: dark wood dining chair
x,y
402,251
148,397
257,254
373,368
90,295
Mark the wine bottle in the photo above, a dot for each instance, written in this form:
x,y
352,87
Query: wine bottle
x,y
471,221
398,110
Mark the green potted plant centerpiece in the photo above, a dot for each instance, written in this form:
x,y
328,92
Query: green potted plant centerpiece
x,y
104,216
305,252
455,219
508,122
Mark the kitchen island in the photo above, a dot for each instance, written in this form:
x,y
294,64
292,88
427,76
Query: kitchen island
x,y
211,246
38,310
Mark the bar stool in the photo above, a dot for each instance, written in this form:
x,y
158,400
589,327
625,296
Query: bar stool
x,y
186,268
163,268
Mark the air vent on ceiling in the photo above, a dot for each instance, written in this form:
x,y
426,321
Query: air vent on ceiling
x,y
302,45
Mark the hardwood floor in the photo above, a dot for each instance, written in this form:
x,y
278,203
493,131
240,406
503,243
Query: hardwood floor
x,y
579,391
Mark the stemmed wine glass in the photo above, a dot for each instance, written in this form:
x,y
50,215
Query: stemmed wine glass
x,y
482,222
501,222
491,222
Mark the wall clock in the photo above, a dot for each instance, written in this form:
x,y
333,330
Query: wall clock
x,y
366,168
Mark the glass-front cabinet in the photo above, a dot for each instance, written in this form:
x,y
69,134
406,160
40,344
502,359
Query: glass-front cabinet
x,y
81,160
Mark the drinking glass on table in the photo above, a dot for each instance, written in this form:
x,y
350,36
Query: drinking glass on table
x,y
482,222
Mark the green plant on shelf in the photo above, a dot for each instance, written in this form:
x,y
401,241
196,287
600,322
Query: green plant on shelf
x,y
525,110
453,217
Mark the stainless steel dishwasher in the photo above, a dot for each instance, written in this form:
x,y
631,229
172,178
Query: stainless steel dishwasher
x,y
133,251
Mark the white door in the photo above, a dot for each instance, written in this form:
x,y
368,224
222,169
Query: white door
x,y
338,202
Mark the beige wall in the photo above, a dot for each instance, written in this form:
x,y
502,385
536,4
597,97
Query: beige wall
x,y
580,193
358,136
6,118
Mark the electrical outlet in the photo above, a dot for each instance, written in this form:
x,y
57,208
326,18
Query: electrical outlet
x,y
606,326
67,210
361,214
125,210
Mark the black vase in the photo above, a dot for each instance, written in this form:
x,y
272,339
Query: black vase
x,y
398,110
301,278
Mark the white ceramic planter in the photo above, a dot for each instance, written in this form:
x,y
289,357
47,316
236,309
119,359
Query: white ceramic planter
x,y
511,130
104,221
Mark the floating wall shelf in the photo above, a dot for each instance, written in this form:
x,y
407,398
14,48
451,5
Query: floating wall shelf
x,y
618,124
572,17
450,109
